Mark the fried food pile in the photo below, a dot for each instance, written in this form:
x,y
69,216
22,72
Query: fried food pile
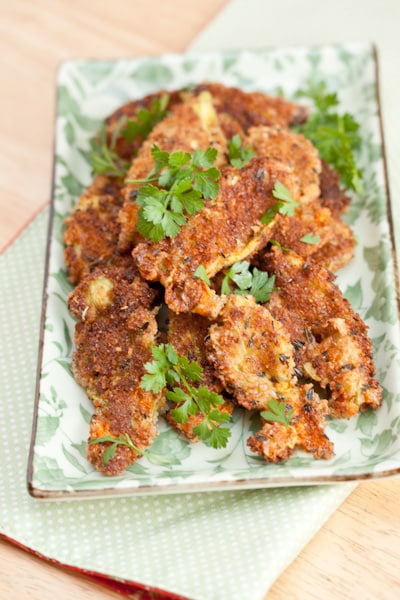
x,y
303,350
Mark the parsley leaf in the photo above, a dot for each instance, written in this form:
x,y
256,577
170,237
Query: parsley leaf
x,y
201,273
168,369
183,181
310,238
238,154
278,411
336,136
239,273
262,285
286,205
146,119
255,282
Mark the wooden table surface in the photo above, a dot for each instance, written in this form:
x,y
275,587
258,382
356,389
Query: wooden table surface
x,y
357,553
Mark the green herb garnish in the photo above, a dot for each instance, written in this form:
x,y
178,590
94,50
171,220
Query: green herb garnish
x,y
310,238
183,181
146,119
169,369
201,273
278,411
257,283
285,206
105,160
335,136
238,154
123,440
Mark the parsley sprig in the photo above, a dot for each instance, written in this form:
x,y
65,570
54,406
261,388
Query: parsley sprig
x,y
169,369
278,411
183,181
238,154
122,440
257,283
336,136
146,118
286,204
105,160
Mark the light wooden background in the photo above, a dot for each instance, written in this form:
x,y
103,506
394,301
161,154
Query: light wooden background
x,y
357,553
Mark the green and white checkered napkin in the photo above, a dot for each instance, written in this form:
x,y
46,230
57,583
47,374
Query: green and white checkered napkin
x,y
203,546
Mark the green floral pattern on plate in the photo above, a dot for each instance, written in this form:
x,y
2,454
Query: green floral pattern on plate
x,y
367,445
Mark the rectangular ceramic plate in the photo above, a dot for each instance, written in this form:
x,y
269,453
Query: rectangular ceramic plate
x,y
367,445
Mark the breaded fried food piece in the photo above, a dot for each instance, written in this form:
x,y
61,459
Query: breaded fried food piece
x,y
277,442
226,230
331,340
113,340
92,230
251,353
187,333
191,125
253,108
335,246
333,243
295,150
253,356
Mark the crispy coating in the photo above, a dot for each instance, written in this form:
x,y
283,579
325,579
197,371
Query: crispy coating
x,y
253,108
277,442
188,333
295,150
306,339
191,125
113,340
253,356
237,111
251,353
227,230
209,115
331,341
92,230
335,241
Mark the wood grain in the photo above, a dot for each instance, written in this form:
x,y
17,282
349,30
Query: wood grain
x,y
357,553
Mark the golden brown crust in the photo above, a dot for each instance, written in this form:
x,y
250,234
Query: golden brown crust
x,y
253,108
92,230
190,125
277,442
332,345
228,229
253,356
293,149
251,353
334,241
113,340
